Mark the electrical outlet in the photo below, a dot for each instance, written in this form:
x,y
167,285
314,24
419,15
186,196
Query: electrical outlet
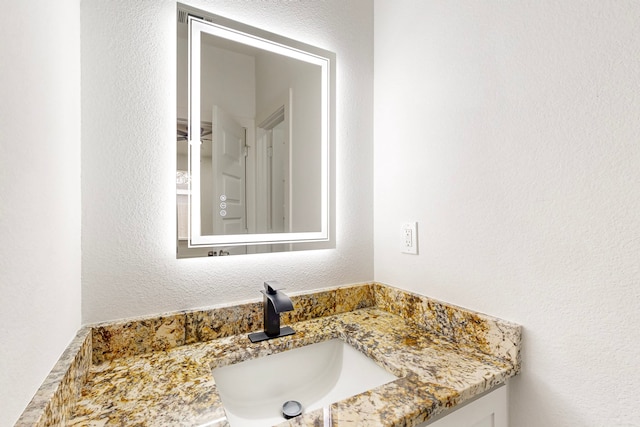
x,y
409,236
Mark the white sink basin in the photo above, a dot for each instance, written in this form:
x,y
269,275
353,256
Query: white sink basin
x,y
254,391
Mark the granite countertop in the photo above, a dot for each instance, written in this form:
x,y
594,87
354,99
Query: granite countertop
x,y
176,387
157,371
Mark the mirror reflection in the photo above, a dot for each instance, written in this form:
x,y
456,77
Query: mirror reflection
x,y
252,176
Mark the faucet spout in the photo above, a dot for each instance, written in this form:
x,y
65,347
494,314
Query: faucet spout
x,y
281,303
275,302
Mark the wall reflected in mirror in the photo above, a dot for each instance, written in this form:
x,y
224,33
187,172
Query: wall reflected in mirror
x,y
253,176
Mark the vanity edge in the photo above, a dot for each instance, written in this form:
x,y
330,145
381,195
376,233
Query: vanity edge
x,y
54,401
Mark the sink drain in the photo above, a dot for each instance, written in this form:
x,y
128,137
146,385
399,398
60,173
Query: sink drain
x,y
291,408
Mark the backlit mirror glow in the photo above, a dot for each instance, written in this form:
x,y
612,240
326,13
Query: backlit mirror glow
x,y
255,136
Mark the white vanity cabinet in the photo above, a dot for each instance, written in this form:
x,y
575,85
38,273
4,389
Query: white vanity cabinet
x,y
489,410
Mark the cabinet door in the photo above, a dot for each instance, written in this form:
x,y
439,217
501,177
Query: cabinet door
x,y
488,411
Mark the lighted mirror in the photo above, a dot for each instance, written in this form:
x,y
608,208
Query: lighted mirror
x,y
255,137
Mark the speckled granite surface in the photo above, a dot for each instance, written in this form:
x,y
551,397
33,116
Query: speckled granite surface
x,y
141,335
157,371
55,399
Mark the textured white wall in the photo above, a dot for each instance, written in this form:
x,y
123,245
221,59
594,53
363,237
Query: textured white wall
x,y
39,194
510,131
128,131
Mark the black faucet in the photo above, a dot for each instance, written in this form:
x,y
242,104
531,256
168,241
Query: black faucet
x,y
275,302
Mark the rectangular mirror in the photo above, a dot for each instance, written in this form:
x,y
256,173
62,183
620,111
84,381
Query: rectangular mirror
x,y
255,136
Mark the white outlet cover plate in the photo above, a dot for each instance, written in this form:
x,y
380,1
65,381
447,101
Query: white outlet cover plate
x,y
409,238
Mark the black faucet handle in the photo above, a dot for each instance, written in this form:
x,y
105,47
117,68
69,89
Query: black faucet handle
x,y
272,287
